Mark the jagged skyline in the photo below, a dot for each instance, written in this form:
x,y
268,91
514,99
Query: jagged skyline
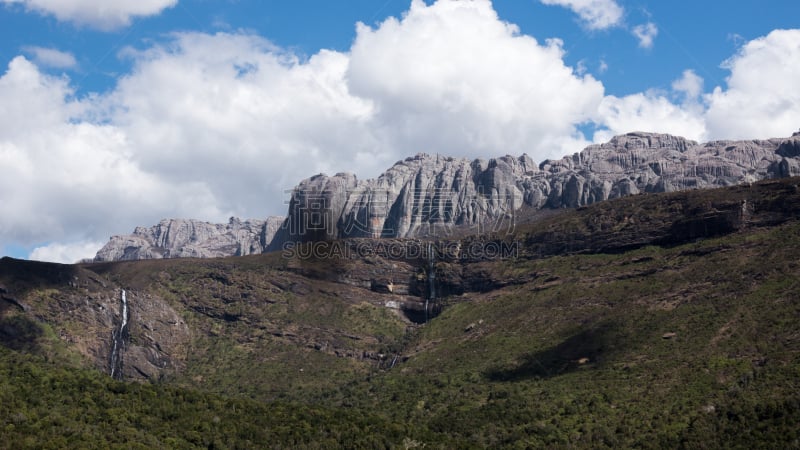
x,y
427,196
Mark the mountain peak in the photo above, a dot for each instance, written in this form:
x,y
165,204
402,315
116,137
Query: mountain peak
x,y
433,195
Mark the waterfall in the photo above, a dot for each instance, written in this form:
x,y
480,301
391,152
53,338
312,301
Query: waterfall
x,y
117,339
124,312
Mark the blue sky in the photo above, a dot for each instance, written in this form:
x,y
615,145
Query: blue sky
x,y
117,114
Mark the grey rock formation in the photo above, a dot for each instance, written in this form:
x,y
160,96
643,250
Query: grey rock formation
x,y
430,195
421,195
179,238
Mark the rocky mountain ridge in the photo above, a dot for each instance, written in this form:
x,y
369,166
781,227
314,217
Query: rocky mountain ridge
x,y
431,195
189,238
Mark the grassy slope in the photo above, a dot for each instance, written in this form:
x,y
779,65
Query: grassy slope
x,y
507,367
262,332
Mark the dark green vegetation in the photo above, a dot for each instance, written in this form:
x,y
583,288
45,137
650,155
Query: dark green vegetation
x,y
678,329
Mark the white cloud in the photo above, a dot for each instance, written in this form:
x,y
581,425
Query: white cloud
x,y
66,253
689,85
100,14
51,57
580,67
66,179
650,112
595,14
646,34
763,91
242,116
653,111
602,67
453,78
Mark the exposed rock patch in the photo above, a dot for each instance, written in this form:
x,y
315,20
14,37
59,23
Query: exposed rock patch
x,y
428,195
179,238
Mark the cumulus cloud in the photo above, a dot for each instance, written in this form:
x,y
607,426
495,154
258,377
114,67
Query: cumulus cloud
x,y
69,180
453,78
761,99
648,111
595,14
51,57
689,85
653,111
646,34
763,90
101,14
66,253
246,118
250,119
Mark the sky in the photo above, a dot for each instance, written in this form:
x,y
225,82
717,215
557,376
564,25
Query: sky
x,y
118,114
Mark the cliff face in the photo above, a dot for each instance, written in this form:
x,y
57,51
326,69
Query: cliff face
x,y
85,311
427,195
415,197
178,238
183,316
431,195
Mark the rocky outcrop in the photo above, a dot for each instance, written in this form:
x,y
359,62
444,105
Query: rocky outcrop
x,y
433,195
413,271
429,195
158,318
85,312
178,238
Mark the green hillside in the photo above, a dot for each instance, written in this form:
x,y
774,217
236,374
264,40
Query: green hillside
x,y
655,321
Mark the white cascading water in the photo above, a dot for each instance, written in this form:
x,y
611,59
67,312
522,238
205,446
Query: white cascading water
x,y
124,312
119,335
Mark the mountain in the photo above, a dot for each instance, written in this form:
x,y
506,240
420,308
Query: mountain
x,y
179,238
432,195
663,320
428,195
